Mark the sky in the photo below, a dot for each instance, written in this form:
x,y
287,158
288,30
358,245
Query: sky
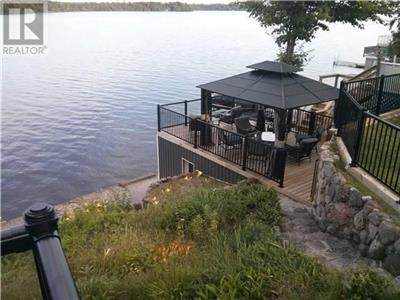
x,y
186,1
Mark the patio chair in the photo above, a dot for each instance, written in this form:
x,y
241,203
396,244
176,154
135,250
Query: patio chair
x,y
302,150
229,140
243,126
258,149
193,124
230,116
316,134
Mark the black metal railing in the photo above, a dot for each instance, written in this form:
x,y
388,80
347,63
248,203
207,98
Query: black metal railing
x,y
379,150
347,119
373,143
306,122
245,151
40,234
378,95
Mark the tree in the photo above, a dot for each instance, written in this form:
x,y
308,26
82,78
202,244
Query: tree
x,y
394,46
295,22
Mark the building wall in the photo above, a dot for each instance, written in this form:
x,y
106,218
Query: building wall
x,y
170,163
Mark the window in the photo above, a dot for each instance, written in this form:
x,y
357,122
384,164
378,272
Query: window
x,y
187,166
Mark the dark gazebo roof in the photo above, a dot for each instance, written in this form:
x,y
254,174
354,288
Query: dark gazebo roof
x,y
273,84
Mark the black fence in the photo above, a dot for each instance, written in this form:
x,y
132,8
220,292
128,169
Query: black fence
x,y
306,122
40,235
348,115
373,143
246,151
377,95
379,150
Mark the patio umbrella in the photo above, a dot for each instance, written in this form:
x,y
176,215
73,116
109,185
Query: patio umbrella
x,y
260,120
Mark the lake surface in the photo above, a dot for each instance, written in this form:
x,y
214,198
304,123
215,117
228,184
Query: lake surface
x,y
83,116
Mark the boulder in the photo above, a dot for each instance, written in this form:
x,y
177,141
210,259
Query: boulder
x,y
363,250
372,232
359,221
364,236
388,232
355,199
397,247
376,250
375,217
332,228
392,264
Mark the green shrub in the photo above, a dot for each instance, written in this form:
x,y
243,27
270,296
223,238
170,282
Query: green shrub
x,y
364,283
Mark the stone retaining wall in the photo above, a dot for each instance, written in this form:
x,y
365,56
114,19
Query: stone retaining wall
x,y
345,212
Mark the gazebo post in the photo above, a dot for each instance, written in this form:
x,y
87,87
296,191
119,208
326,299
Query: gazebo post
x,y
280,127
205,131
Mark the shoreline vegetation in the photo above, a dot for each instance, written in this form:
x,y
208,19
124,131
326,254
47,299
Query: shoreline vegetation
x,y
197,239
54,6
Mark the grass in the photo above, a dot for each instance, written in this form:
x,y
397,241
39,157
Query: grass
x,y
214,242
395,120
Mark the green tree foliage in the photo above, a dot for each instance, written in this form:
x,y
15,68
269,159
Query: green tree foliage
x,y
395,26
296,22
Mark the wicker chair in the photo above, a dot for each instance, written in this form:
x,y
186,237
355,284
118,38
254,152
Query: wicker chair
x,y
243,126
302,150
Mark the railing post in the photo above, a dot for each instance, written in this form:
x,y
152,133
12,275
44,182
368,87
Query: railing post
x,y
54,274
245,150
195,132
354,159
380,95
336,115
311,125
158,118
186,112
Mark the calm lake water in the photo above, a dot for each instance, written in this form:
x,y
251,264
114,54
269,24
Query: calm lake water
x,y
83,116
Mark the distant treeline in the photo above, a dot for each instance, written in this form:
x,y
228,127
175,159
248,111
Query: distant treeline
x,y
136,6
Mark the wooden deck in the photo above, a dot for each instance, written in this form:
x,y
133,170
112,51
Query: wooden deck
x,y
298,176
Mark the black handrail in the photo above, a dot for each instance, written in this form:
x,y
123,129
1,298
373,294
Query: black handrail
x,y
40,234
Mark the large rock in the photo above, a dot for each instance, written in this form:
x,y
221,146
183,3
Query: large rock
x,y
375,217
376,250
355,199
333,228
392,264
339,213
372,232
388,232
397,247
363,250
359,220
364,236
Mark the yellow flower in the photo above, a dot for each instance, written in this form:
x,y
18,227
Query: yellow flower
x,y
199,173
98,205
167,190
156,202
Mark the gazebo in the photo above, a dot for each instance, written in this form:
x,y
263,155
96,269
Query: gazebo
x,y
269,84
